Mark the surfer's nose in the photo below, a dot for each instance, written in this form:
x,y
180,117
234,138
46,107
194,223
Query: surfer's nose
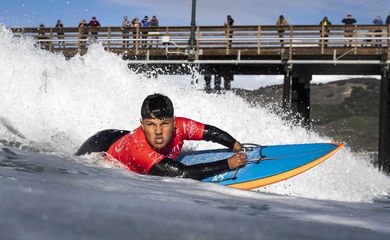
x,y
158,130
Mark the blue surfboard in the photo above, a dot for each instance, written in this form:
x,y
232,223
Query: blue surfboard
x,y
266,164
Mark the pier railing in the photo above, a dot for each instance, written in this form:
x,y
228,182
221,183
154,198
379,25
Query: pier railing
x,y
216,40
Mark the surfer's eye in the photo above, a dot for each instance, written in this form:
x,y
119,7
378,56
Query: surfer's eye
x,y
149,124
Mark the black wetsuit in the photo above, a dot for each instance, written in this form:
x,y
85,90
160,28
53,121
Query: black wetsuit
x,y
102,141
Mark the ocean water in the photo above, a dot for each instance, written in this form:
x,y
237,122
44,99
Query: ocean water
x,y
49,106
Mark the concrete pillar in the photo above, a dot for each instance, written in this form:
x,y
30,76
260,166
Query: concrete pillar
x,y
217,82
228,78
384,121
207,80
286,88
300,96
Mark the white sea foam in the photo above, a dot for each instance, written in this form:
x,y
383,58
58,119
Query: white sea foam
x,y
62,102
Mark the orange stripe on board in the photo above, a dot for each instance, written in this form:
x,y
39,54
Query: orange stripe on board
x,y
279,177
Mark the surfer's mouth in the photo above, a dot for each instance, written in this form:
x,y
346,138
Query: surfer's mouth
x,y
159,140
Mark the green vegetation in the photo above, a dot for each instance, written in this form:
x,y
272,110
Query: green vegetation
x,y
346,111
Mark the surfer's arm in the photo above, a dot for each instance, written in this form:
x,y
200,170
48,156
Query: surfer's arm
x,y
171,168
214,134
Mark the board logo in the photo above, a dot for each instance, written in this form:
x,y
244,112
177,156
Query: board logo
x,y
219,177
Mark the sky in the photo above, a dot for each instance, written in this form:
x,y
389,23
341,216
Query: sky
x,y
31,13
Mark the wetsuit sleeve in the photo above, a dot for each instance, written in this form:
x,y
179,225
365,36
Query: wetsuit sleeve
x,y
214,134
171,168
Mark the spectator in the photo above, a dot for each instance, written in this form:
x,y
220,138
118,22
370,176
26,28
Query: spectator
x,y
83,32
136,24
281,22
125,31
349,21
42,38
145,23
154,23
60,33
325,23
94,25
388,20
229,33
377,32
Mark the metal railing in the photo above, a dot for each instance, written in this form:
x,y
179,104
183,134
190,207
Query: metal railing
x,y
254,38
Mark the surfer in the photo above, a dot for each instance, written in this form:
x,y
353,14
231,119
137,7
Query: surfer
x,y
154,147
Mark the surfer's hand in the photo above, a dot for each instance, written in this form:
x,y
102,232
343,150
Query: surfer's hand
x,y
237,160
237,147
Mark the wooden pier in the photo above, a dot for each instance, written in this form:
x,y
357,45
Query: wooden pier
x,y
296,51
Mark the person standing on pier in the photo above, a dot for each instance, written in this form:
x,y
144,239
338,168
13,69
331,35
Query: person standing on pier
x,y
125,31
349,21
378,32
83,33
42,38
136,24
281,22
145,23
94,25
155,35
325,23
60,33
229,33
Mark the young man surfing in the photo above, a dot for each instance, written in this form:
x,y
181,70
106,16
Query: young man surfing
x,y
154,147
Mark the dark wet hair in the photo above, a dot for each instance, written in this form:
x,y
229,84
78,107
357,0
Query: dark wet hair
x,y
157,106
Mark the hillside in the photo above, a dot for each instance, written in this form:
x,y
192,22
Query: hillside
x,y
346,110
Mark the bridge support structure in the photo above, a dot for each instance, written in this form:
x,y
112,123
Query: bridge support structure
x,y
384,120
300,96
296,94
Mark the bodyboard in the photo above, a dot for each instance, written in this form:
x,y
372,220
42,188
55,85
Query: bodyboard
x,y
266,164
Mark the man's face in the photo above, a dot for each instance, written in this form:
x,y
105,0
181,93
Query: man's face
x,y
158,131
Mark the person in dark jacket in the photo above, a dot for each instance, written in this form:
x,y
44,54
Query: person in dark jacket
x,y
282,22
155,35
348,21
60,33
324,33
94,25
229,33
145,23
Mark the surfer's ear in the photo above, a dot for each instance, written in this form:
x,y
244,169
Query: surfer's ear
x,y
142,124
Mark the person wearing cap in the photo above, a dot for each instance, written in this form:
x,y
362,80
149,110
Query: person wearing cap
x,y
83,32
60,33
229,33
42,38
155,35
145,23
125,31
388,19
94,25
281,22
154,147
136,23
377,32
348,21
324,32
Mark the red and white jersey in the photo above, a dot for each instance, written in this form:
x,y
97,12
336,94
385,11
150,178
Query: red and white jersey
x,y
134,151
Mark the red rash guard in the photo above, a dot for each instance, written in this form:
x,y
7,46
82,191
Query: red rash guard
x,y
135,152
